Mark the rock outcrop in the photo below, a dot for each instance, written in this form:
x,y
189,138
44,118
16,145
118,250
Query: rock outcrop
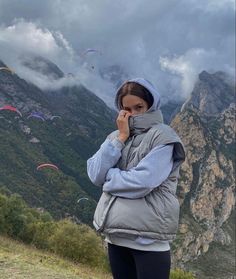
x,y
206,191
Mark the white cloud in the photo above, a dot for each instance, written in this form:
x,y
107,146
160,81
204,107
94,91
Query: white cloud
x,y
24,37
27,37
168,42
189,65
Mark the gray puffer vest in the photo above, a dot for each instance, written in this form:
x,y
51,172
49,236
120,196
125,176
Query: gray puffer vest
x,y
156,215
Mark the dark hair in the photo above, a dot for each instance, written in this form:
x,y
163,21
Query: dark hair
x,y
133,88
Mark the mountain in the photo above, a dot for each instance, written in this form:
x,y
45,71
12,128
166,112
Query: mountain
x,y
42,65
212,94
205,243
170,109
82,123
115,74
206,124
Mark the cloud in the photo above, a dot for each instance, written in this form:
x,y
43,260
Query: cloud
x,y
189,65
168,42
92,81
27,37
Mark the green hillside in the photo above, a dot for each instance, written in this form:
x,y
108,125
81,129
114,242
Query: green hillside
x,y
67,141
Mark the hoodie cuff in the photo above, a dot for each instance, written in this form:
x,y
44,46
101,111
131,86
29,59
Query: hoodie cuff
x,y
117,143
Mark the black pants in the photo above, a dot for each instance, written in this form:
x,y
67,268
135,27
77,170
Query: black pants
x,y
127,263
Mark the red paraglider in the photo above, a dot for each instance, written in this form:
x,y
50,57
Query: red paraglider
x,y
47,165
11,108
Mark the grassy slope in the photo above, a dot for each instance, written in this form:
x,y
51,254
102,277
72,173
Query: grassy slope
x,y
18,261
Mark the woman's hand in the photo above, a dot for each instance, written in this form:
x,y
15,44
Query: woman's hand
x,y
122,122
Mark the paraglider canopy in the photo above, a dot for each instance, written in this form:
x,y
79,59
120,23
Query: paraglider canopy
x,y
88,50
55,116
82,199
6,69
37,115
47,165
90,58
11,108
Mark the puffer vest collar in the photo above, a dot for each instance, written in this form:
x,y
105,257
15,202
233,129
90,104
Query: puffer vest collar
x,y
141,123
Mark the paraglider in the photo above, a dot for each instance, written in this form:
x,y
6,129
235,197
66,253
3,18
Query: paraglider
x,y
6,69
70,75
90,50
47,165
55,116
37,115
82,199
90,60
11,108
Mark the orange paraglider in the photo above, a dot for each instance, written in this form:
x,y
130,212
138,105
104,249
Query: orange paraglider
x,y
47,165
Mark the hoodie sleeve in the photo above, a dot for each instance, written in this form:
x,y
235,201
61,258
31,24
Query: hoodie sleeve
x,y
139,181
104,159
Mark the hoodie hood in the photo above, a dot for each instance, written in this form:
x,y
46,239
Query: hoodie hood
x,y
149,86
141,123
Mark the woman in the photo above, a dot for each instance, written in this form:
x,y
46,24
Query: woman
x,y
138,167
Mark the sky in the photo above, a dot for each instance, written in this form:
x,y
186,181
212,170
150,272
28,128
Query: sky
x,y
168,42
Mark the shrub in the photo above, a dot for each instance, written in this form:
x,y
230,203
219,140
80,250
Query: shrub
x,y
79,243
181,274
14,218
3,201
38,233
76,242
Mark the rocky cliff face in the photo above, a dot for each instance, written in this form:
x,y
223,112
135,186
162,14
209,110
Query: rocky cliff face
x,y
212,94
206,190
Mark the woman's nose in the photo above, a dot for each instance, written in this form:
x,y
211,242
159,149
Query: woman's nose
x,y
132,112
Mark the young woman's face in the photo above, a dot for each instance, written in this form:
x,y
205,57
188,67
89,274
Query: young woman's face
x,y
134,104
